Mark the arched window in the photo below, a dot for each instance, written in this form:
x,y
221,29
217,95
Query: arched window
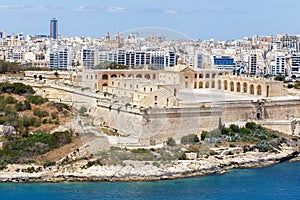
x,y
245,88
225,85
238,87
258,88
251,89
104,77
231,86
113,76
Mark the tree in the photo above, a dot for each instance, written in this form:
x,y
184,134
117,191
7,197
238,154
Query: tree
x,y
279,78
189,139
19,106
203,135
82,110
171,142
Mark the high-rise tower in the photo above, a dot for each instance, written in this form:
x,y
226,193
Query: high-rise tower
x,y
53,28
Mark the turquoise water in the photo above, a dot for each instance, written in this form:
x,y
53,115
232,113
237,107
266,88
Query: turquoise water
x,y
281,181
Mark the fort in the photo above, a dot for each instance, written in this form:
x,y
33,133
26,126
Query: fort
x,y
148,106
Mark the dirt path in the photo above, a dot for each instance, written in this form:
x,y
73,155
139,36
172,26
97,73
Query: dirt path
x,y
61,152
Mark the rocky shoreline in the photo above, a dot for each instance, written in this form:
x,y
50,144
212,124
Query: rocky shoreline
x,y
144,171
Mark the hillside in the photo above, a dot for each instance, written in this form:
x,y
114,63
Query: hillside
x,y
26,121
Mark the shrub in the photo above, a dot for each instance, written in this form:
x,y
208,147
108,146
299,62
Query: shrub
x,y
194,148
203,135
82,111
212,153
44,121
10,100
290,86
40,113
54,115
140,150
171,142
56,121
250,125
37,100
16,88
37,123
234,128
279,78
189,139
19,106
27,105
48,163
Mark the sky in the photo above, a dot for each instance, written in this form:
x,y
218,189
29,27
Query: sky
x,y
198,19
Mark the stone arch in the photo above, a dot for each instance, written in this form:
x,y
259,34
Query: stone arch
x,y
195,85
200,75
147,76
231,86
212,84
200,84
139,76
207,75
113,76
129,75
104,77
207,84
245,88
258,89
238,87
104,84
225,85
213,75
251,89
220,74
219,84
123,75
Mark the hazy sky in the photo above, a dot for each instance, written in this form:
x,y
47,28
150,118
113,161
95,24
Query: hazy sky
x,y
199,19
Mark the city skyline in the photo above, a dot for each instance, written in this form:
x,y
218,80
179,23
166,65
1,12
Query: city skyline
x,y
197,19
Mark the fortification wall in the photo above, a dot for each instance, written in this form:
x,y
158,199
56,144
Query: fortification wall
x,y
157,124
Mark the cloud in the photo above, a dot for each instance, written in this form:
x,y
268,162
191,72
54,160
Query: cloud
x,y
114,9
170,12
82,9
28,8
17,7
228,11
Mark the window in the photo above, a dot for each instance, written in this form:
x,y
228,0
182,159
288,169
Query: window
x,y
155,98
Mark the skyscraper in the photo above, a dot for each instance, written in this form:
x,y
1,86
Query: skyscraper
x,y
53,28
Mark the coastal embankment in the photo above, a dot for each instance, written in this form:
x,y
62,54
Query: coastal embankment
x,y
142,170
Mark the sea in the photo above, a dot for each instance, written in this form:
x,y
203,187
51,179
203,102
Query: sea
x,y
280,181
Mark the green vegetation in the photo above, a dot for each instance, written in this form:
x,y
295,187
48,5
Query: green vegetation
x,y
252,132
297,85
189,139
20,150
82,111
279,78
16,88
9,67
171,142
37,100
110,65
